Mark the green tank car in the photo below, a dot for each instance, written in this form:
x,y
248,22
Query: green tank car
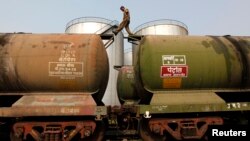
x,y
187,83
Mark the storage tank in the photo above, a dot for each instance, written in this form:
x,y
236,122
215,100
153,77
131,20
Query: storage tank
x,y
115,50
159,27
128,55
168,63
162,27
53,63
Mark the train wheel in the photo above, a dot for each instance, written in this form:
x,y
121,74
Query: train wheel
x,y
147,135
13,137
98,134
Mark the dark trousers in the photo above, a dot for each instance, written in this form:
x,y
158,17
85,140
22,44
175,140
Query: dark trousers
x,y
124,23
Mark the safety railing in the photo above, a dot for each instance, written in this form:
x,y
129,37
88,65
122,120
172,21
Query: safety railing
x,y
107,27
160,22
89,19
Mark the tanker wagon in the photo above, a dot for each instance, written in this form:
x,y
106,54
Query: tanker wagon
x,y
51,86
183,85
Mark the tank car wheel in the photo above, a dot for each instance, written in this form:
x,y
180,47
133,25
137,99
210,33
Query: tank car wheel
x,y
146,134
98,134
13,137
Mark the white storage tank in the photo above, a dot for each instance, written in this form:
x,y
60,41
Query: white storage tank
x,y
115,51
162,27
128,54
159,27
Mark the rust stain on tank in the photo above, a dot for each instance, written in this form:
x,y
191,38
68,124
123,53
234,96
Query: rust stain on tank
x,y
65,69
59,42
3,39
82,45
72,99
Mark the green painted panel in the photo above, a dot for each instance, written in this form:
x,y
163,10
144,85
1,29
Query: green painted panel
x,y
188,62
186,97
190,108
126,85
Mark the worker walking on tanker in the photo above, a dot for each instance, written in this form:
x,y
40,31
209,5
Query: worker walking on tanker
x,y
125,22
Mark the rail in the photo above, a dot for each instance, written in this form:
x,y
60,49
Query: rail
x,y
88,19
160,22
107,27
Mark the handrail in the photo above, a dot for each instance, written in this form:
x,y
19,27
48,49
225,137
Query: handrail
x,y
108,26
88,19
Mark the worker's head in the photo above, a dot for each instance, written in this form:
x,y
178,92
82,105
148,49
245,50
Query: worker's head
x,y
122,8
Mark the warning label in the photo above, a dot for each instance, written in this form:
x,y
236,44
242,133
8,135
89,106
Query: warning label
x,y
67,66
174,60
66,69
174,71
172,82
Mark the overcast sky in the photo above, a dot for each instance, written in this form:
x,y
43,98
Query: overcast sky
x,y
203,17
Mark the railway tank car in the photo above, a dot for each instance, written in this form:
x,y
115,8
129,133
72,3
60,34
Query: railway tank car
x,y
167,63
52,85
184,84
58,63
50,77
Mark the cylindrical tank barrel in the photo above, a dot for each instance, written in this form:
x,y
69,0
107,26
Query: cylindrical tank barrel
x,y
52,63
126,85
98,25
193,62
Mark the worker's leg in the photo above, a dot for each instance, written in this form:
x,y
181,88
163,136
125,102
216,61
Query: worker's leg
x,y
128,29
121,26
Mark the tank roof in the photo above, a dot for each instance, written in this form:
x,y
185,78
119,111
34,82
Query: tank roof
x,y
161,22
91,19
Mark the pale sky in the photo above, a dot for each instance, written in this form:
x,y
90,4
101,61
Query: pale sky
x,y
203,17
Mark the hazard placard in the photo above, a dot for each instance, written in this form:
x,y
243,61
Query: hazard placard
x,y
174,71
